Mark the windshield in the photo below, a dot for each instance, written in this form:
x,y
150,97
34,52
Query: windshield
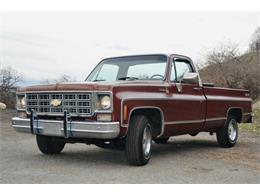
x,y
130,68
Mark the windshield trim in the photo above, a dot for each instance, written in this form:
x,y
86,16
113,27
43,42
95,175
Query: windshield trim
x,y
145,55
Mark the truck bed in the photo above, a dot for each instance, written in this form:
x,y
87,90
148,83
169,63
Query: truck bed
x,y
220,101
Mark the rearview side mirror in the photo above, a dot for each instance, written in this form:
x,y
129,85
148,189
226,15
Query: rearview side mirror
x,y
190,77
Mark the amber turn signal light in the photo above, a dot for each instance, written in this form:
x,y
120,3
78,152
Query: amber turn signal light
x,y
125,113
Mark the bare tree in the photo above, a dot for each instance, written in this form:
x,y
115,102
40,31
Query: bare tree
x,y
64,78
254,44
61,79
221,55
9,77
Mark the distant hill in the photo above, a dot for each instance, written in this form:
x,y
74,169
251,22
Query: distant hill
x,y
242,72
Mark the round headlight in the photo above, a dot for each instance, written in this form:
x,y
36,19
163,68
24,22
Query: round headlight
x,y
105,102
21,102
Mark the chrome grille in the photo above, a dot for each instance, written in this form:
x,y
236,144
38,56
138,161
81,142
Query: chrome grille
x,y
73,103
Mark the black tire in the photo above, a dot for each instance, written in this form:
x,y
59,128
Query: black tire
x,y
135,153
49,145
225,138
163,140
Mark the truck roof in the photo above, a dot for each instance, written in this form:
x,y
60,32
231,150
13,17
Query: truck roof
x,y
135,55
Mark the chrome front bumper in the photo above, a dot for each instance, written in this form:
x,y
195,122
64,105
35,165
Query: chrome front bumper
x,y
67,129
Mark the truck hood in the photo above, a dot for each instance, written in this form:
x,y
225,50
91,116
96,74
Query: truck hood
x,y
84,86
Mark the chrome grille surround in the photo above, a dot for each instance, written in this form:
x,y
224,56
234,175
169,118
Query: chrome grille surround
x,y
75,103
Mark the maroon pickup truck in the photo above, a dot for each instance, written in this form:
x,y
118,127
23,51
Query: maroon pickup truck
x,y
128,102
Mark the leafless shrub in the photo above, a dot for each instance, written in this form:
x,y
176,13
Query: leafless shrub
x,y
226,67
9,78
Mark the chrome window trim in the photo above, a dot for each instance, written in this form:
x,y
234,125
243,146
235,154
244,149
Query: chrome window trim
x,y
172,64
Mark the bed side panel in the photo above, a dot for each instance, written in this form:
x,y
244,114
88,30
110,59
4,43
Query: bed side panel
x,y
220,100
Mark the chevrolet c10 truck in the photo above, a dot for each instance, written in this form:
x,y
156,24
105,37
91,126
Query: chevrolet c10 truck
x,y
128,102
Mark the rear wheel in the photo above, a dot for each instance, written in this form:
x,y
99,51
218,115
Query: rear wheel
x,y
227,136
138,141
163,140
49,145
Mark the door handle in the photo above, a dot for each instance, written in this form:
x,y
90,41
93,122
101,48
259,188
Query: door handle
x,y
197,88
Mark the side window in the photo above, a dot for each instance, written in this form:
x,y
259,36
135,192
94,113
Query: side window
x,y
181,67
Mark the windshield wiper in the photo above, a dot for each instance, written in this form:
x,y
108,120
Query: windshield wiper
x,y
128,78
97,80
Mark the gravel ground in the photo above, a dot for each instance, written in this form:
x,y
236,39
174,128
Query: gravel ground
x,y
184,159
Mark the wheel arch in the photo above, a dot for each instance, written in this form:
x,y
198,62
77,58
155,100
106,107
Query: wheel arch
x,y
153,114
237,112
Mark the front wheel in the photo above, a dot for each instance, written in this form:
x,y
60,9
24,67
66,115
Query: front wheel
x,y
138,141
227,136
49,145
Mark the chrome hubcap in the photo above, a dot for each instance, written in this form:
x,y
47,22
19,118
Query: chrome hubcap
x,y
232,129
147,141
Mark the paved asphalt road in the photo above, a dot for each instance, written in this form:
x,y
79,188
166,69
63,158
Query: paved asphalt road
x,y
184,159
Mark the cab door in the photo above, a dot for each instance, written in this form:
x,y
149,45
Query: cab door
x,y
187,105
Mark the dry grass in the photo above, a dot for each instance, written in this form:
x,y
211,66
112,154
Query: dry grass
x,y
255,126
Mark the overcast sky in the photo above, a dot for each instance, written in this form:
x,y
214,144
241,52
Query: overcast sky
x,y
45,45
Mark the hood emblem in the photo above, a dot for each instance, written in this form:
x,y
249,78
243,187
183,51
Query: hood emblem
x,y
56,102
